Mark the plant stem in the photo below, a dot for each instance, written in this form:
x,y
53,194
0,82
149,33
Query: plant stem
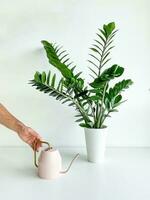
x,y
105,117
77,103
100,66
99,123
97,109
94,117
90,104
101,60
81,109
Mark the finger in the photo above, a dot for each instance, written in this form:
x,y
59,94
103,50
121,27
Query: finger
x,y
31,141
37,144
39,137
34,144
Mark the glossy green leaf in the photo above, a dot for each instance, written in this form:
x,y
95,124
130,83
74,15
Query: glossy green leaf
x,y
112,72
117,99
55,59
53,80
48,78
94,98
107,103
97,83
119,87
80,119
84,125
37,77
43,77
107,75
109,28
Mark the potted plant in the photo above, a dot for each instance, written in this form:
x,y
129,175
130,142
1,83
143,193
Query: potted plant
x,y
95,101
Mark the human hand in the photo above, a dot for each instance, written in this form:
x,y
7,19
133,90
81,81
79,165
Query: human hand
x,y
31,137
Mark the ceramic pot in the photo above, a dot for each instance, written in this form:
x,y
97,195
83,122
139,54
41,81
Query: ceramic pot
x,y
95,144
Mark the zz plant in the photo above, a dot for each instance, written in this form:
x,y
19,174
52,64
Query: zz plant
x,y
94,102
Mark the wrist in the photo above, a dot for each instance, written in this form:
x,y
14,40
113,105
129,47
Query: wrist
x,y
19,127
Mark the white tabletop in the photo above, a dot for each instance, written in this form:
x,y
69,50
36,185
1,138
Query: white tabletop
x,y
125,175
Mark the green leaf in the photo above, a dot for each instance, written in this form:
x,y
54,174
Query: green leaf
x,y
107,75
109,28
67,73
57,92
81,94
95,90
85,125
71,104
103,32
43,77
72,69
80,83
101,49
78,115
112,72
53,80
101,37
48,78
80,119
111,93
85,103
118,104
98,48
66,100
107,103
37,77
78,74
113,110
119,87
97,83
114,93
55,60
93,64
117,99
103,126
94,98
60,83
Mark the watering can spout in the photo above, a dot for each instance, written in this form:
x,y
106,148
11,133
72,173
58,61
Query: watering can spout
x,y
65,171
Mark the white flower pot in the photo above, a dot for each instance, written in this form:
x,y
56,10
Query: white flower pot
x,y
95,144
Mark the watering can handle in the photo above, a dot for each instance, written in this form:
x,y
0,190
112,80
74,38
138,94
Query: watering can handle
x,y
35,153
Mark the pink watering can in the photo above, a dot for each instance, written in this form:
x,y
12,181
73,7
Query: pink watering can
x,y
50,163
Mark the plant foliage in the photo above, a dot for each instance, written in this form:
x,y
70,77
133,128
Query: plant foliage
x,y
95,101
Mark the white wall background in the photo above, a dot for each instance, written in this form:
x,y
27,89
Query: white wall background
x,y
23,24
